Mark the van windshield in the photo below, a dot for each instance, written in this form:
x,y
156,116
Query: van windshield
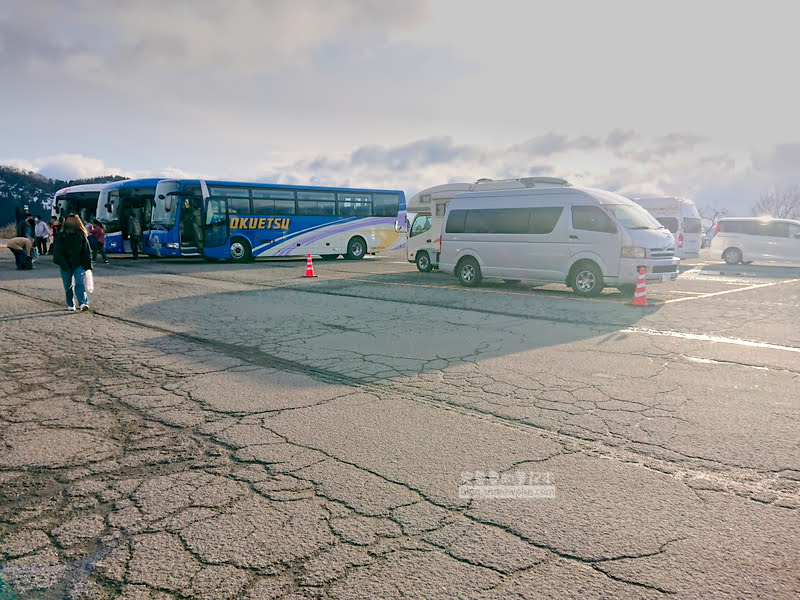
x,y
633,217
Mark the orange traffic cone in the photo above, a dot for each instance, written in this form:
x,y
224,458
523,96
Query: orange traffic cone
x,y
309,268
640,295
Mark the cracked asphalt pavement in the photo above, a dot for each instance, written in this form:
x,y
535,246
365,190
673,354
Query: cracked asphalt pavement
x,y
235,431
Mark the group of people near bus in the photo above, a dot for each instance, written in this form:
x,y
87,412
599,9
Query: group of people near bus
x,y
74,249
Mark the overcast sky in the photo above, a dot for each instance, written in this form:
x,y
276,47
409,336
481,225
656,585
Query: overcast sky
x,y
695,98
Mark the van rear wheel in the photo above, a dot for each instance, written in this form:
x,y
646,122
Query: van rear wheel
x,y
586,279
468,272
732,256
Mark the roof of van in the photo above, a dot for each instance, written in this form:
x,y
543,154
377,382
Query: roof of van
x,y
600,196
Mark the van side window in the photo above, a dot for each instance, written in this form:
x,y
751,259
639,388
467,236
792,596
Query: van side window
x,y
543,220
497,220
455,221
592,218
794,230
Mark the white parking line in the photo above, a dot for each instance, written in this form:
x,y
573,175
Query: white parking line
x,y
710,338
744,289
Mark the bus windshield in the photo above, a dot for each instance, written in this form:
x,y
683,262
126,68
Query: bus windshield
x,y
163,218
633,217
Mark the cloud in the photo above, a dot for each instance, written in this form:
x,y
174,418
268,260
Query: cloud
x,y
707,176
67,167
248,36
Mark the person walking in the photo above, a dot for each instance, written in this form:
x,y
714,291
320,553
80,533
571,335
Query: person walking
x,y
71,253
134,233
42,232
97,233
21,248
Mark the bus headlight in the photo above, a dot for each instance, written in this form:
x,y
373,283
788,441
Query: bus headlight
x,y
173,245
632,252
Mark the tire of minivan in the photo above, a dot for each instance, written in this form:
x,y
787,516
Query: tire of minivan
x,y
732,256
468,272
424,262
586,279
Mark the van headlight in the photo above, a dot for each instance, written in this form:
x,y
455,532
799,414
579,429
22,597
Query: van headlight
x,y
632,252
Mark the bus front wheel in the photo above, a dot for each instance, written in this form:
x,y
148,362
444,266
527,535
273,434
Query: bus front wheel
x,y
356,249
240,250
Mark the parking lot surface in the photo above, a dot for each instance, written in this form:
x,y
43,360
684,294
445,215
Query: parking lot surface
x,y
212,430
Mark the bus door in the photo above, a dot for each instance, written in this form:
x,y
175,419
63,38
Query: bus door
x,y
190,215
215,228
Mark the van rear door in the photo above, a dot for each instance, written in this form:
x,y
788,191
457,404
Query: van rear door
x,y
593,235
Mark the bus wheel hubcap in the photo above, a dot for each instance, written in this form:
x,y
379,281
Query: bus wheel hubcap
x,y
237,250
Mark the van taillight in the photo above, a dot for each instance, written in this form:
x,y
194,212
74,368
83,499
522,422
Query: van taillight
x,y
680,241
716,228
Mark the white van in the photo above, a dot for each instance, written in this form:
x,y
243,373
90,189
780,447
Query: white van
x,y
425,227
748,239
586,238
680,216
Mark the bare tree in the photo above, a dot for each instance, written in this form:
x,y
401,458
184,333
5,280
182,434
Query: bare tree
x,y
711,213
781,203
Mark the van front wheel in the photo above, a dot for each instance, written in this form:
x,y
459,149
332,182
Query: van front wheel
x,y
468,272
586,279
732,256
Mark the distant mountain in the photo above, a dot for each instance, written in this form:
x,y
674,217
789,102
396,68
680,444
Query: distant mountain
x,y
19,188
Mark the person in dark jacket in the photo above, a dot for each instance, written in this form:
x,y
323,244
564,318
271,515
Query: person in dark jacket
x,y
25,227
71,252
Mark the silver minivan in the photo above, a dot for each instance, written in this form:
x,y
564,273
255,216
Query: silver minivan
x,y
748,239
586,238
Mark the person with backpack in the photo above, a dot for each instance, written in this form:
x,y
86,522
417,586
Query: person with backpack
x,y
71,253
21,248
97,240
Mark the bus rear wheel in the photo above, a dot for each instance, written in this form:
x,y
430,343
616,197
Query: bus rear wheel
x,y
356,249
240,250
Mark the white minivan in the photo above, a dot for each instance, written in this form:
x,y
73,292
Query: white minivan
x,y
586,238
748,239
681,217
429,205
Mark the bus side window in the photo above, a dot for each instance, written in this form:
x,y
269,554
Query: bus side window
x,y
215,211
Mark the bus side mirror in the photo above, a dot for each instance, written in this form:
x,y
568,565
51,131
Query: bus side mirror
x,y
397,227
168,204
109,206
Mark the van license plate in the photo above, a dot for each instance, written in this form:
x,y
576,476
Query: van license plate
x,y
666,277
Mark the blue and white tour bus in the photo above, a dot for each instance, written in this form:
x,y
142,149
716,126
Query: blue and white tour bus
x,y
241,221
